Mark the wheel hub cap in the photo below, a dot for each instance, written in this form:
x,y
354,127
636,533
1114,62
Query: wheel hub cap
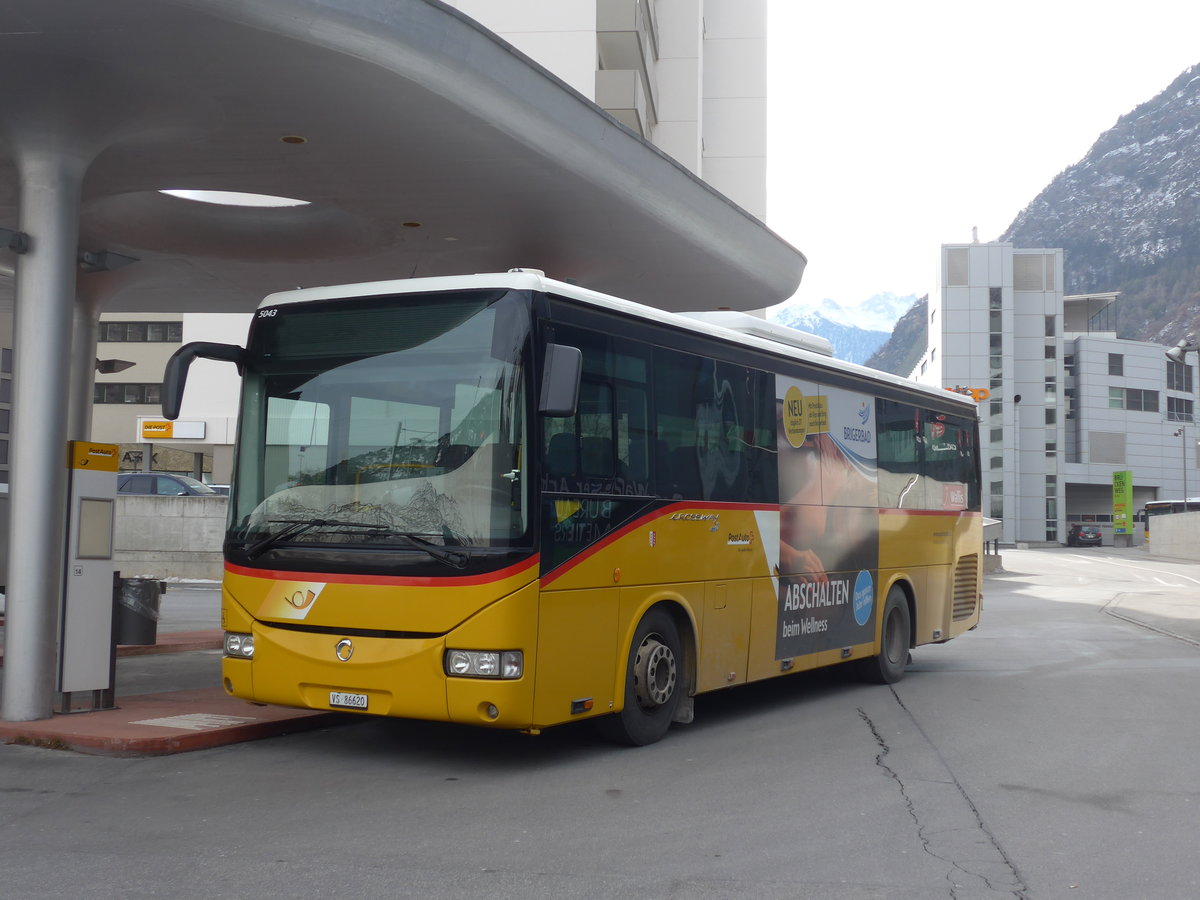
x,y
654,673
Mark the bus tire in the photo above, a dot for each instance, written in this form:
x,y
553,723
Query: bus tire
x,y
895,641
654,683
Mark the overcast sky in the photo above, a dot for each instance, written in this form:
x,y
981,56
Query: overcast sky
x,y
895,127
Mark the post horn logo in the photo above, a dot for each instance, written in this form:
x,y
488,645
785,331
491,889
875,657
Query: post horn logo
x,y
344,649
300,599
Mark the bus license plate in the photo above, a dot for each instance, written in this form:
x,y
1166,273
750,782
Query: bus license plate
x,y
347,701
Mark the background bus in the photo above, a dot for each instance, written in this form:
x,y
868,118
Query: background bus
x,y
1166,507
507,501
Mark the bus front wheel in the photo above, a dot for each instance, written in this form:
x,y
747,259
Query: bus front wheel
x,y
895,640
654,683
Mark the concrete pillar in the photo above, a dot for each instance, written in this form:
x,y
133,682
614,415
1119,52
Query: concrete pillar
x,y
51,180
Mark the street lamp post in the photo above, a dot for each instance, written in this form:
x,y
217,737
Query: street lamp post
x,y
1178,354
1181,432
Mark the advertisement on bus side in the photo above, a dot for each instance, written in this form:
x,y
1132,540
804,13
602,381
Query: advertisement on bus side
x,y
828,529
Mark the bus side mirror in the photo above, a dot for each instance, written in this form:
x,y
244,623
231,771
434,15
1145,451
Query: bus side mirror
x,y
560,380
175,375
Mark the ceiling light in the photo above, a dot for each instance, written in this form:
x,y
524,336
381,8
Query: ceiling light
x,y
235,198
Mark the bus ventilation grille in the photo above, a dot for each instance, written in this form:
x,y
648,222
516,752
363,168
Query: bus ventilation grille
x,y
966,586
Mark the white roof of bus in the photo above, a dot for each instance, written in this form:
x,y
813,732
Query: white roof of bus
x,y
533,280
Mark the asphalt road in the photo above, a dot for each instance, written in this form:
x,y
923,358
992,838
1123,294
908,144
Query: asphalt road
x,y
1050,753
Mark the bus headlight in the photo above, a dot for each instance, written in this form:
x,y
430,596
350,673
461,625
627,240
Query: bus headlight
x,y
504,664
239,646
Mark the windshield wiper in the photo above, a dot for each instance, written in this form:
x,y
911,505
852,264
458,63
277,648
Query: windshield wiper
x,y
454,558
299,526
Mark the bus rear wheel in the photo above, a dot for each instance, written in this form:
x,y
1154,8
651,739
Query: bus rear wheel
x,y
654,683
895,641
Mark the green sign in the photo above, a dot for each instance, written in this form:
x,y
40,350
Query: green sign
x,y
1122,502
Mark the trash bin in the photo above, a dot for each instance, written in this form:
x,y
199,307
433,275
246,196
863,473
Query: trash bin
x,y
137,610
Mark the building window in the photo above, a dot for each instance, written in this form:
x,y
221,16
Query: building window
x,y
141,332
1028,272
995,298
1179,377
1051,390
5,390
1050,327
1146,401
111,392
956,266
1051,351
1179,410
1116,364
1051,416
997,435
1133,399
6,360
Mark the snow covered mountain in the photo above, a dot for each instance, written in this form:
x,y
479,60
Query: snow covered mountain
x,y
856,333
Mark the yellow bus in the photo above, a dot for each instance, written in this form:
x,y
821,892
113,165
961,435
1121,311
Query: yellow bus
x,y
1155,508
508,501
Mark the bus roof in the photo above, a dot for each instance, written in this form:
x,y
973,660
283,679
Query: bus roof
x,y
778,340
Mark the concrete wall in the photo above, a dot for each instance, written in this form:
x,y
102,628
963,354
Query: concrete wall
x,y
1176,535
169,537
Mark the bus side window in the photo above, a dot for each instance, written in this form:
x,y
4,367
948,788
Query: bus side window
x,y
899,446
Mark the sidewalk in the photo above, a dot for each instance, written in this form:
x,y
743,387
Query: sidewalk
x,y
193,713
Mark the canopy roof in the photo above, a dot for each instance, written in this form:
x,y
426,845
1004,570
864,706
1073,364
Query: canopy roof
x,y
424,144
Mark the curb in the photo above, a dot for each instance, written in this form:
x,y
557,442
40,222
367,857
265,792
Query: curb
x,y
164,724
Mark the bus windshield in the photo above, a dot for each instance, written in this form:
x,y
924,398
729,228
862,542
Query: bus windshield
x,y
384,423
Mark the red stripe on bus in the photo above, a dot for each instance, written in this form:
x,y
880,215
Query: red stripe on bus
x,y
387,580
641,520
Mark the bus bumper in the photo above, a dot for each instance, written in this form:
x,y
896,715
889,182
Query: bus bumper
x,y
385,676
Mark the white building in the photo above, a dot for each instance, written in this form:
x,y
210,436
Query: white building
x,y
687,75
1068,403
690,76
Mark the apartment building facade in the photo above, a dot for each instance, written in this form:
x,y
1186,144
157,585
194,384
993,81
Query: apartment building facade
x,y
1063,402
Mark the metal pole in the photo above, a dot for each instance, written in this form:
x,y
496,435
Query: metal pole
x,y
45,289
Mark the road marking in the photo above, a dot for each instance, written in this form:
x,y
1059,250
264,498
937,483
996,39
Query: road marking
x,y
1111,561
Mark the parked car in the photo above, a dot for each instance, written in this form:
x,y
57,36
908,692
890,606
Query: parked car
x,y
1084,536
162,485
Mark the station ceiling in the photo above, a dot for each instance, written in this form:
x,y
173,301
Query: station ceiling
x,y
423,144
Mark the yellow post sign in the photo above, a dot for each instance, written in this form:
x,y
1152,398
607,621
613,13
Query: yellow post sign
x,y
96,457
1122,501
